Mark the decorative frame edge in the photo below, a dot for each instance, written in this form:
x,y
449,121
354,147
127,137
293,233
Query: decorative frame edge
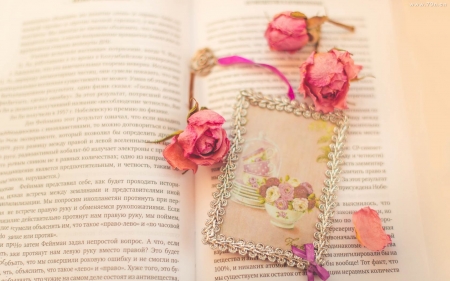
x,y
211,235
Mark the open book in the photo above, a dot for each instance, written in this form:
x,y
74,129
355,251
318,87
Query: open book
x,y
86,84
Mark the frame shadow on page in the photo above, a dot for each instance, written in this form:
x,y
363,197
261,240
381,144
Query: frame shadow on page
x,y
277,186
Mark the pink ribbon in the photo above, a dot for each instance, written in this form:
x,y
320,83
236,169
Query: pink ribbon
x,y
236,60
313,267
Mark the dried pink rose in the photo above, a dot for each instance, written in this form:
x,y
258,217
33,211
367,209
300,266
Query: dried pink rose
x,y
174,155
203,142
287,32
369,231
325,77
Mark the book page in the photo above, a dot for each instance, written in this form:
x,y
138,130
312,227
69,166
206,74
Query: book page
x,y
83,194
378,160
418,47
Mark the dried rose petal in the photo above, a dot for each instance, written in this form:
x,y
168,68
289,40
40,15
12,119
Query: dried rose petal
x,y
174,155
369,231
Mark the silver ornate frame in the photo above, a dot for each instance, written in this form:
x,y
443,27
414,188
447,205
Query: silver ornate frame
x,y
211,232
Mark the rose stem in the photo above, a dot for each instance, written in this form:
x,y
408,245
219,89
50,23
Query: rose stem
x,y
191,89
316,46
348,27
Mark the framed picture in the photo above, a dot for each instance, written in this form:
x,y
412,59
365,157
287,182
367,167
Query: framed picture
x,y
278,182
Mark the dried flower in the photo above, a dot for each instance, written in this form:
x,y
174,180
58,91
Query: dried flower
x,y
369,231
291,31
203,142
325,77
203,61
287,32
174,154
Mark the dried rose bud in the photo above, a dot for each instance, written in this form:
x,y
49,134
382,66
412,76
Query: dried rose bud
x,y
291,31
202,62
325,78
203,142
287,32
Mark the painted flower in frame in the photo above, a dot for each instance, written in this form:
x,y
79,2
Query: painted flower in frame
x,y
303,190
300,192
325,78
369,231
300,204
282,214
272,182
286,191
281,204
311,203
253,182
307,187
262,190
293,181
272,194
